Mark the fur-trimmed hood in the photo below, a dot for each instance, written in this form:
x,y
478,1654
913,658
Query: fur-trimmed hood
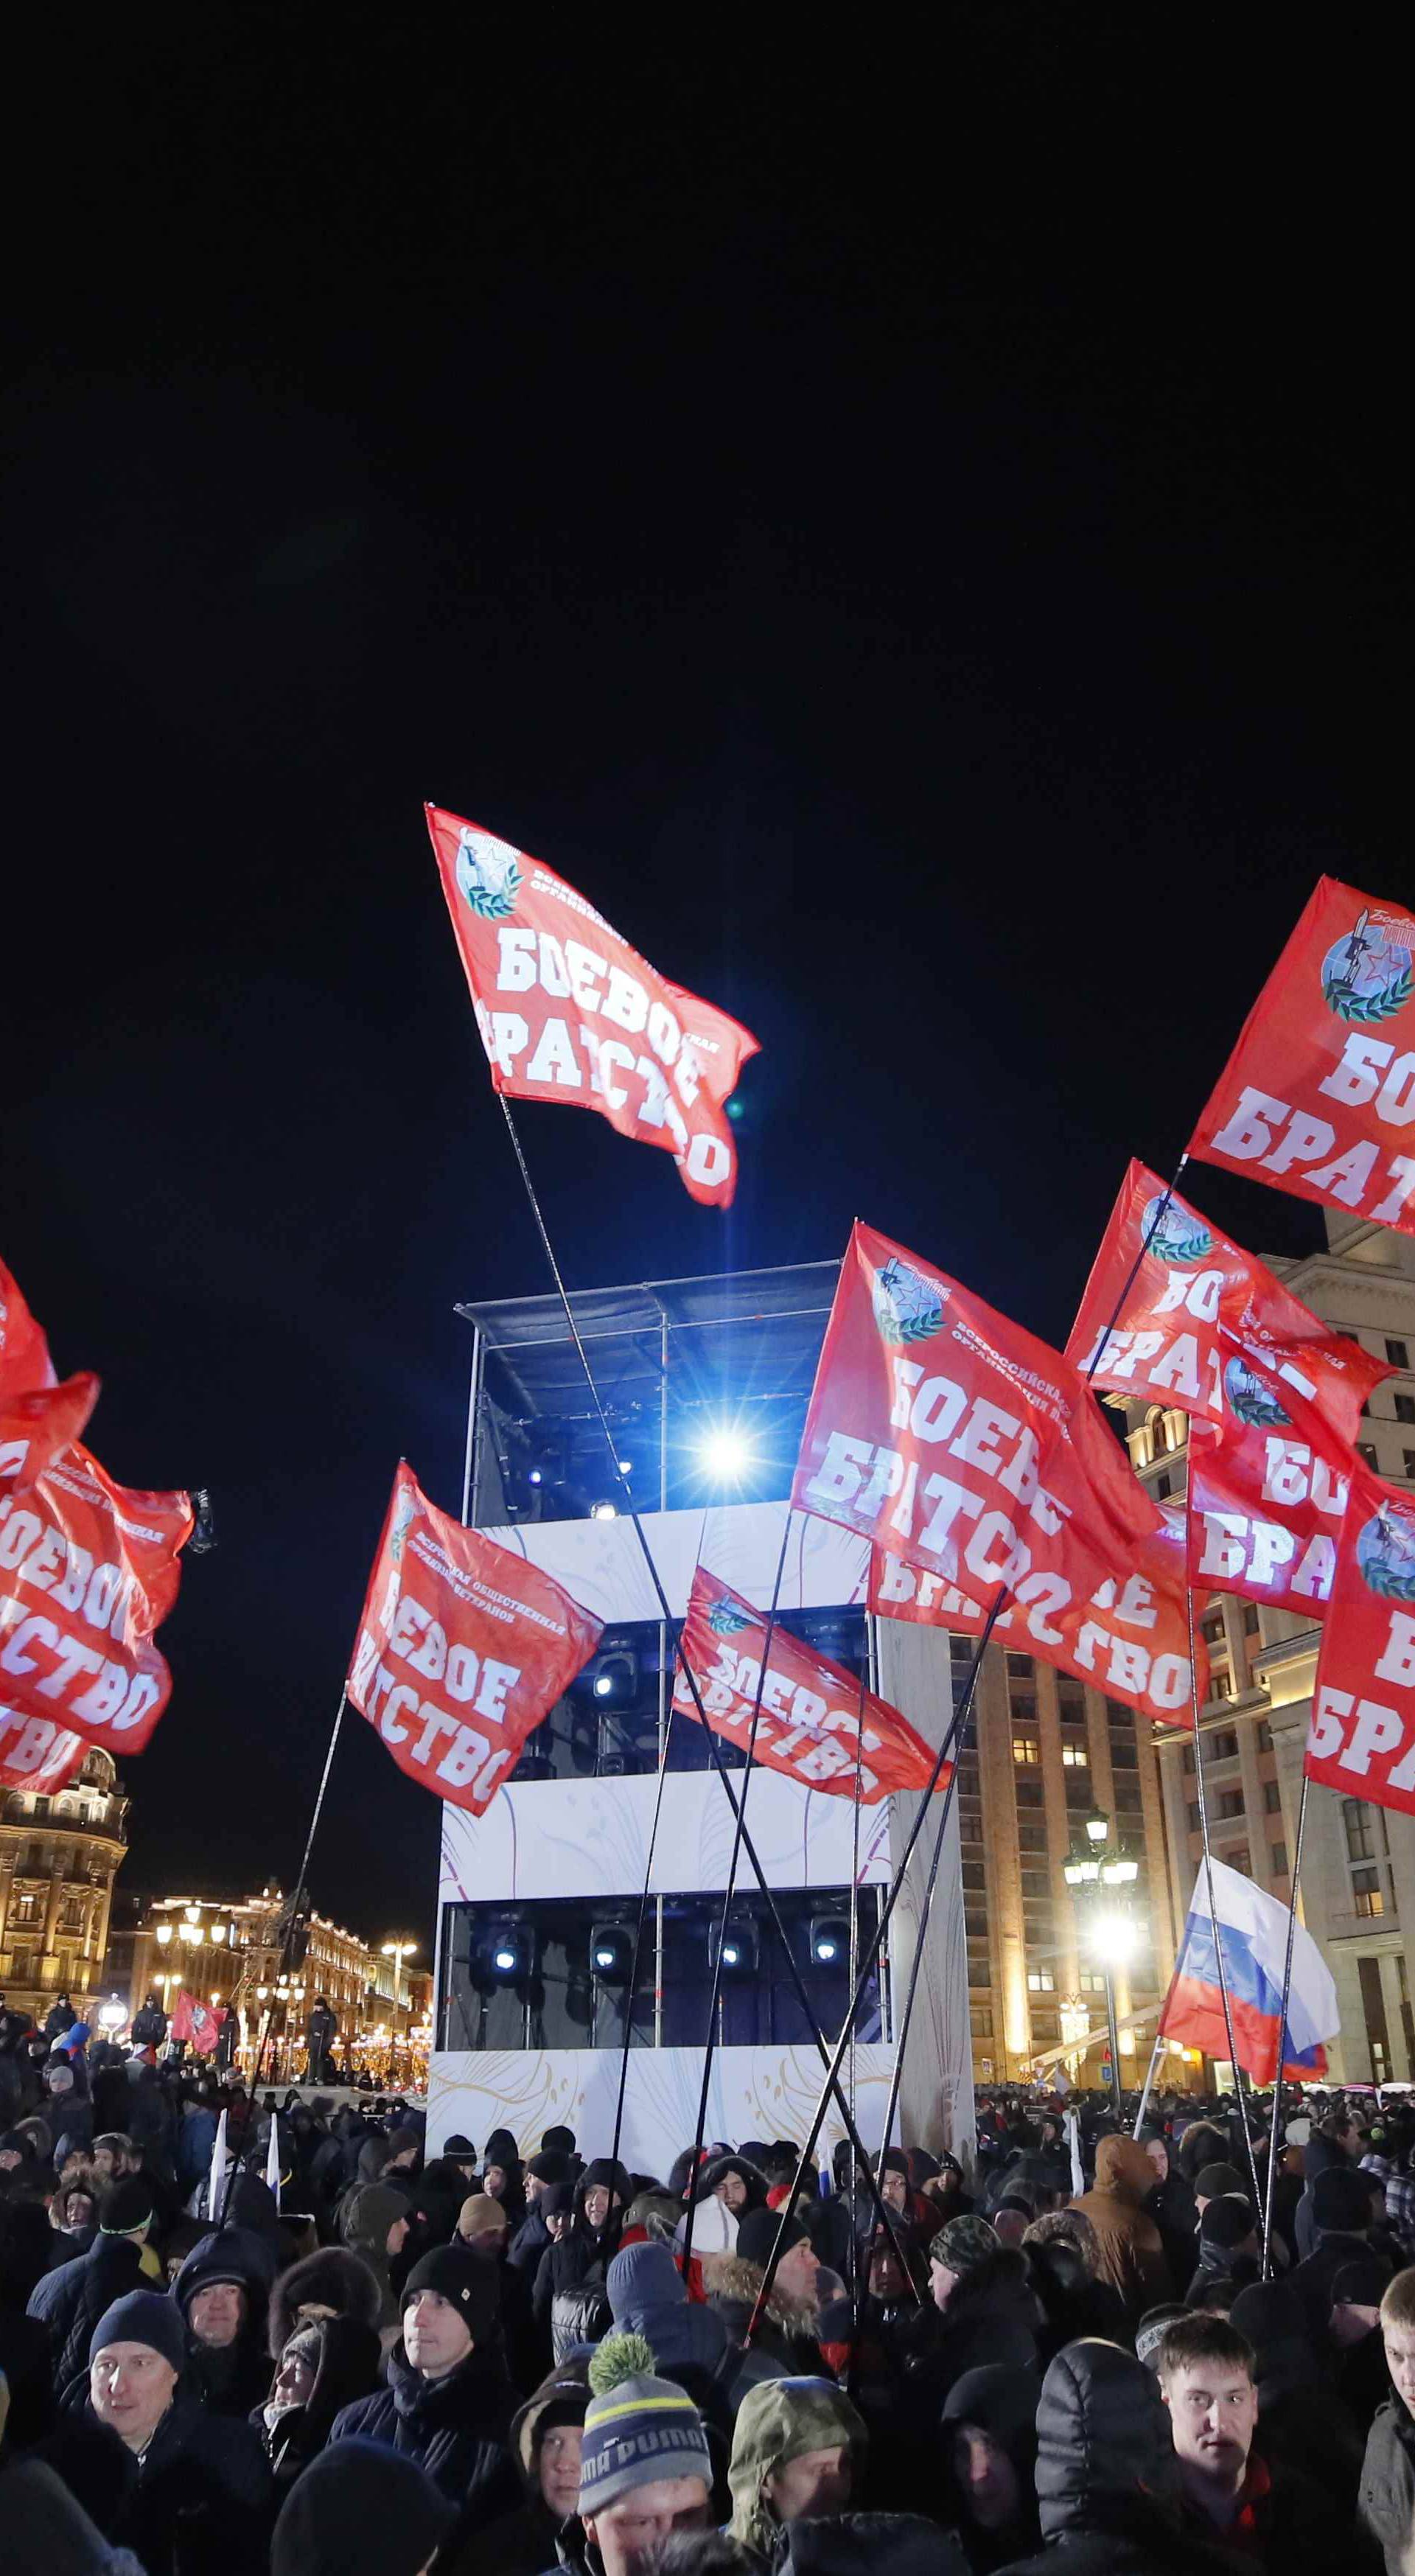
x,y
332,2277
731,2282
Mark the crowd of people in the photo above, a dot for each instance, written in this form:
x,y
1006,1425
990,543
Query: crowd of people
x,y
424,2355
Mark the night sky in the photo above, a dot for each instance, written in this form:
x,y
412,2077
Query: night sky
x,y
914,527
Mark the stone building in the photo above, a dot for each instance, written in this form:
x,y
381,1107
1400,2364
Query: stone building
x,y
230,1953
59,1855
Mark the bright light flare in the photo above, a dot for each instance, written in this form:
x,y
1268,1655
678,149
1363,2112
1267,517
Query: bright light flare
x,y
725,1454
1114,1939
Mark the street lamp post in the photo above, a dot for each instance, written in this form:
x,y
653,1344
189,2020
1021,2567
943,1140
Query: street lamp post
x,y
1100,1873
398,1951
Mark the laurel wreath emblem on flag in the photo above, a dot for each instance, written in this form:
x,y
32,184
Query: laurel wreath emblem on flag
x,y
1370,975
726,1620
907,1307
1178,1234
1249,1400
1385,1553
488,874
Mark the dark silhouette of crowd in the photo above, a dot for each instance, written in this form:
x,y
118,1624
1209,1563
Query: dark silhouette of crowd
x,y
425,2355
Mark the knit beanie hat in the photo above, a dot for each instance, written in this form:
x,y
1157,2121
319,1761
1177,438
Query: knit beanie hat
x,y
1341,2199
893,2160
557,2200
1212,2182
637,2428
777,2421
143,2316
481,2215
559,2140
714,2227
757,2231
1226,2222
460,2148
964,2243
125,2206
550,2166
465,2280
360,2509
1362,2282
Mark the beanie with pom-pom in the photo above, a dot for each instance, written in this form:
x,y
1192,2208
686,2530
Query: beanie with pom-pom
x,y
637,2427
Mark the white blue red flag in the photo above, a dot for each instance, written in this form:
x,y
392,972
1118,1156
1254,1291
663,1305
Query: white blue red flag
x,y
1253,1930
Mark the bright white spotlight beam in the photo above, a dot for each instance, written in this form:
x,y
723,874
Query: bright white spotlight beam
x,y
725,1453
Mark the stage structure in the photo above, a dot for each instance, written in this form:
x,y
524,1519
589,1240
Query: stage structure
x,y
705,1384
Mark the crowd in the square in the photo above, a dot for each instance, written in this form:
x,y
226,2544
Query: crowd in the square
x,y
506,2358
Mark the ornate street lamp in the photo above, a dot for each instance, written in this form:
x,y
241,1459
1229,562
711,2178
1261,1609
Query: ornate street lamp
x,y
1100,1873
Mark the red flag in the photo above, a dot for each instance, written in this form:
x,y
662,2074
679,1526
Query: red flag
x,y
88,1571
1192,1282
949,1436
35,1753
197,2023
38,1426
24,1352
810,1707
1361,1737
1128,1638
1267,1493
568,1011
462,1649
1319,1093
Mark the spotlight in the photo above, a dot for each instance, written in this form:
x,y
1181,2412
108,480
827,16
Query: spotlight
x,y
612,1953
612,1677
725,1454
739,1947
626,1466
503,1955
830,1940
604,1511
604,1685
535,1477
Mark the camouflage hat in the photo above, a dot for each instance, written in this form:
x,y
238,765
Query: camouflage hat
x,y
964,2243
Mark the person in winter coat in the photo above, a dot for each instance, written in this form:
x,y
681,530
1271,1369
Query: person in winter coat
x,y
530,2239
1129,2253
798,2448
739,2185
1107,2480
222,2290
990,2421
645,2473
502,2176
149,2028
569,2298
1386,2506
24,2341
1333,2148
546,2437
71,2300
786,2342
1170,2203
688,2339
1231,2494
1062,2251
1228,2247
361,2511
375,2228
321,2032
331,2282
325,2365
195,2490
1302,2421
60,2018
449,2402
982,2308
1341,2208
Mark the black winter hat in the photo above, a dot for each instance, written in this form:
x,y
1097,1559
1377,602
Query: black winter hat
x,y
1213,2182
458,2146
605,2173
1226,2222
556,2199
1341,2200
469,2285
1363,2282
757,2233
360,2509
558,2141
125,2206
550,2166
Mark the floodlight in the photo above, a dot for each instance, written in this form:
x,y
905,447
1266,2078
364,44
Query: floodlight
x,y
725,1453
830,1940
739,1947
604,1511
604,1686
612,1953
534,1478
1114,1939
626,1466
504,1954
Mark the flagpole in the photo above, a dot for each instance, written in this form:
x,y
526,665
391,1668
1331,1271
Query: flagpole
x,y
288,1945
1212,1897
639,1936
1151,1230
1274,2142
852,2371
872,1952
1159,2043
901,2037
728,1893
681,1662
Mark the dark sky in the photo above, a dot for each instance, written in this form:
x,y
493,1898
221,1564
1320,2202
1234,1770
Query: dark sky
x,y
913,523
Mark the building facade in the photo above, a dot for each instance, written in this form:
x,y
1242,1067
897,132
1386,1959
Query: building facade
x,y
1357,1880
230,1953
59,1855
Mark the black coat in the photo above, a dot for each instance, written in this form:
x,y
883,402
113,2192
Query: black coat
x,y
1386,2510
200,2501
71,2301
456,2428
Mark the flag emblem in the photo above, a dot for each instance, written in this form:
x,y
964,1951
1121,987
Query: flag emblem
x,y
1368,974
1385,1552
1178,1234
907,1306
1248,1399
488,874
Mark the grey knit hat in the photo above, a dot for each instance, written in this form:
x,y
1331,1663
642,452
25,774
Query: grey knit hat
x,y
637,2427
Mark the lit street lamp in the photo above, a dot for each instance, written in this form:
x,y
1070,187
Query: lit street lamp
x,y
1100,1873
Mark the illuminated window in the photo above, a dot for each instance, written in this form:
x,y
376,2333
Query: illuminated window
x,y
1367,1891
1040,1981
1024,1749
1075,1757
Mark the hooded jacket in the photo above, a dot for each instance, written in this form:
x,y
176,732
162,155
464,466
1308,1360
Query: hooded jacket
x,y
231,2380
457,2428
777,2421
1107,2478
346,2360
332,2277
785,2345
375,2208
71,2301
1130,2254
522,2542
569,2297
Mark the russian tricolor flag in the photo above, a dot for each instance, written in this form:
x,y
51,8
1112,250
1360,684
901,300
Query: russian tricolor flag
x,y
1253,1929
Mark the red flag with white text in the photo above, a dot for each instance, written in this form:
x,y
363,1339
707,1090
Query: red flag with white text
x,y
463,1648
35,1753
24,1352
1318,1096
1166,1342
88,1571
38,1417
947,1435
814,1724
569,1012
1361,1736
1129,1638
